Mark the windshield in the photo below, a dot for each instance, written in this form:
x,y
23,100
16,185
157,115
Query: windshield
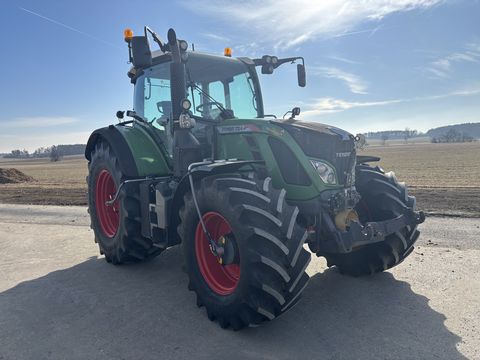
x,y
218,88
215,84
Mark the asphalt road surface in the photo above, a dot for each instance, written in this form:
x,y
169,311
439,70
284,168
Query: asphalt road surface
x,y
60,300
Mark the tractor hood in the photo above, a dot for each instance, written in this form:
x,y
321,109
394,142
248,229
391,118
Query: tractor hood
x,y
320,141
316,127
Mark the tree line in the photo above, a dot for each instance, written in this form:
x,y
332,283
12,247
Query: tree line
x,y
393,134
452,136
446,134
55,152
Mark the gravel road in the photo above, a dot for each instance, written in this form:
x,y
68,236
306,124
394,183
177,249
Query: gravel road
x,y
60,300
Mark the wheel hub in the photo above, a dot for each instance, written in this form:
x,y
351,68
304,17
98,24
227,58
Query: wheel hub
x,y
219,262
108,215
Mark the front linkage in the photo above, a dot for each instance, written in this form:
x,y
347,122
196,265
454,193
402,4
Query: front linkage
x,y
372,232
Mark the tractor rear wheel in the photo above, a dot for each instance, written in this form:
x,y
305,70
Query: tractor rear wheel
x,y
266,272
117,227
383,197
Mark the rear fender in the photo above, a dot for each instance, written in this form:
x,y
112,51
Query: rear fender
x,y
138,153
117,142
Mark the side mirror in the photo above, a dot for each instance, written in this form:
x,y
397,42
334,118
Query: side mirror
x,y
120,114
301,75
141,53
295,111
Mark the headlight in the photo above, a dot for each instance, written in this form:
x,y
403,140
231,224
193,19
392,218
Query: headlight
x,y
325,171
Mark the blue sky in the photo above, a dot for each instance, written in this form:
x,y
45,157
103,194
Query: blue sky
x,y
371,65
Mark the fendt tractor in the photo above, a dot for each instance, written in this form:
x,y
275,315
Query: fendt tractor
x,y
199,163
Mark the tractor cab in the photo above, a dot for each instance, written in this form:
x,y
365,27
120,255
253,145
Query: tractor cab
x,y
185,94
218,88
213,83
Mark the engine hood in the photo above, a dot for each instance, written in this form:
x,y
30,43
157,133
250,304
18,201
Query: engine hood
x,y
316,127
320,141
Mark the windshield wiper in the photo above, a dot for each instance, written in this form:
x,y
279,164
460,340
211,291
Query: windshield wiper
x,y
254,95
228,114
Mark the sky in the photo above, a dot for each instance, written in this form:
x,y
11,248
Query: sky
x,y
371,65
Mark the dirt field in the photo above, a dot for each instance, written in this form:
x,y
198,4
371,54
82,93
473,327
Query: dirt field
x,y
444,177
56,183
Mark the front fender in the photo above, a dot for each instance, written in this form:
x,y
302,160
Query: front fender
x,y
199,172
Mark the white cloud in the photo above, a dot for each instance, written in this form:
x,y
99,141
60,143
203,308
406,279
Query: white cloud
x,y
342,59
287,23
329,105
216,37
248,49
443,67
354,82
37,122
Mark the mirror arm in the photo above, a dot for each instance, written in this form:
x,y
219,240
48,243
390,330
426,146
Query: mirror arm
x,y
258,62
155,37
290,60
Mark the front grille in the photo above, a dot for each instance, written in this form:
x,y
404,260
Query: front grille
x,y
330,147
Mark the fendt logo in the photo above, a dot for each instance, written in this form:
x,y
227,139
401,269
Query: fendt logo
x,y
343,154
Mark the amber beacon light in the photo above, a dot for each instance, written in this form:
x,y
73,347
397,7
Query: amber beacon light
x,y
127,34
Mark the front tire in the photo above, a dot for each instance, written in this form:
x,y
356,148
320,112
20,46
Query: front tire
x,y
268,273
383,198
117,227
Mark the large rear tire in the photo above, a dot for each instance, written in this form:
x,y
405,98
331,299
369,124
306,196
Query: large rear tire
x,y
383,197
268,273
117,228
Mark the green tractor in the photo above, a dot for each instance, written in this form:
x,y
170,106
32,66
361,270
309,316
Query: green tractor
x,y
200,164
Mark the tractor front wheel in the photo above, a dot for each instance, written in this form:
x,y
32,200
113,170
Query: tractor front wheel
x,y
383,198
262,271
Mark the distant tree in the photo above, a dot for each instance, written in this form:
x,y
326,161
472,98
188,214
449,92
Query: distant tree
x,y
453,136
42,152
18,154
75,149
55,154
472,129
407,134
384,137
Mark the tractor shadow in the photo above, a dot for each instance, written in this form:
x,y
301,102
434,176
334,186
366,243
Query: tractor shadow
x,y
95,310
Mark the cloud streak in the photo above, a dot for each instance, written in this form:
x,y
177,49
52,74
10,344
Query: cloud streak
x,y
443,67
354,82
36,122
65,26
328,105
287,23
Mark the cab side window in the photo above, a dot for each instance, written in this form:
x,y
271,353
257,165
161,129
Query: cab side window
x,y
152,95
157,102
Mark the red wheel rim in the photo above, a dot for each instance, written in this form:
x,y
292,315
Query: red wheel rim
x,y
222,279
108,215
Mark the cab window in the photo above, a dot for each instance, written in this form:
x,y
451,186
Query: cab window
x,y
152,95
